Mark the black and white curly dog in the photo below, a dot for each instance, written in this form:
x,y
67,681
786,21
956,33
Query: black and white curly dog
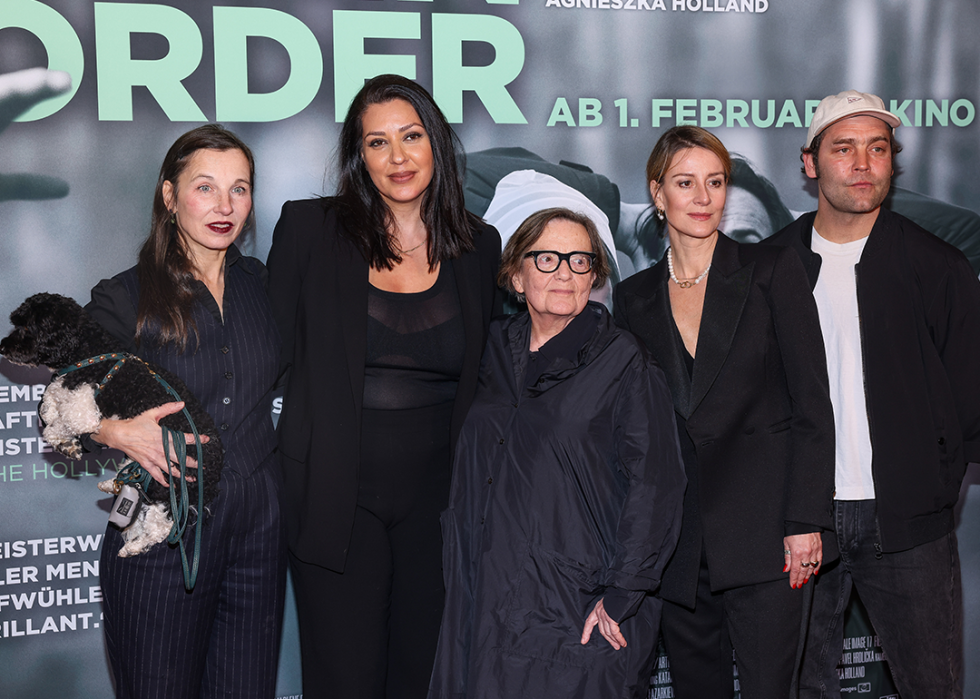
x,y
54,331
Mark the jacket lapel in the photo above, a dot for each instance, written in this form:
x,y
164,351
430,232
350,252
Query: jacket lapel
x,y
352,292
724,299
652,320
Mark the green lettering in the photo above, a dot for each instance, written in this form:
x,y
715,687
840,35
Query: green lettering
x,y
687,112
351,66
938,112
660,109
589,111
450,78
737,111
954,112
809,107
117,72
757,120
562,113
711,114
789,115
232,27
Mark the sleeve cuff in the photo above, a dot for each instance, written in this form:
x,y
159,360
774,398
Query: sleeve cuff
x,y
90,445
621,604
795,528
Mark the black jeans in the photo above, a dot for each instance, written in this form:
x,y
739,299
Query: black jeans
x,y
914,600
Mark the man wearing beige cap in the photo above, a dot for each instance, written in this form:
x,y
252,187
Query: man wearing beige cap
x,y
900,315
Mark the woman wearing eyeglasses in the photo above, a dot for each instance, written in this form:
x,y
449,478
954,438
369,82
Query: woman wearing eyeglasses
x,y
565,502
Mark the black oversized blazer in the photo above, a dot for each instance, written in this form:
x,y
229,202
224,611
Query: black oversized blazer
x,y
318,282
757,409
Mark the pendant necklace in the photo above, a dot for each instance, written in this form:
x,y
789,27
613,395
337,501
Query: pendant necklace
x,y
405,252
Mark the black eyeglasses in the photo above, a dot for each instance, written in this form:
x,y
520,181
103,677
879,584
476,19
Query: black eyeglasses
x,y
547,261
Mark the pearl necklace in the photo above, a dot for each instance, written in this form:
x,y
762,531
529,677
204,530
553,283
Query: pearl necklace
x,y
687,283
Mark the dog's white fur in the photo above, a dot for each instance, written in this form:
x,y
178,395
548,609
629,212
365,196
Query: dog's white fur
x,y
151,525
69,413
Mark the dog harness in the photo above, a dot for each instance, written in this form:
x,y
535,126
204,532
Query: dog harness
x,y
134,474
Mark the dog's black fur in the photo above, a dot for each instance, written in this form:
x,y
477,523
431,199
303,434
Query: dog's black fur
x,y
56,332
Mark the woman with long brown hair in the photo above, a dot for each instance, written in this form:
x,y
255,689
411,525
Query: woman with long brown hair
x,y
196,306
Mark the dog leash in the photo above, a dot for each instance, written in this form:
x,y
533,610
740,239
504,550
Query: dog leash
x,y
134,474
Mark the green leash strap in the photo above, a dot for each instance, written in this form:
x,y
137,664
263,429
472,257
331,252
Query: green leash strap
x,y
134,474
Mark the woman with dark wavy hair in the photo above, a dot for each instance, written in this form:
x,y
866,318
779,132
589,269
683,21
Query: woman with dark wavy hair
x,y
196,306
383,293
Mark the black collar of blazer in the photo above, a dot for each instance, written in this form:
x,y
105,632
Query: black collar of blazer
x,y
727,290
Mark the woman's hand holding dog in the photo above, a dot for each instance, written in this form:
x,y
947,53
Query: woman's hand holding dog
x,y
140,439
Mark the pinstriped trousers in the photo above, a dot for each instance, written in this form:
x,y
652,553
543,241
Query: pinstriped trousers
x,y
220,640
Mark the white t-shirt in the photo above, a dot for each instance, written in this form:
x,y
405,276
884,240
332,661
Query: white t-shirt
x,y
836,297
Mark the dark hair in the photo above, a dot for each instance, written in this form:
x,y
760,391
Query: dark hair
x,y
814,148
527,235
679,138
165,271
366,217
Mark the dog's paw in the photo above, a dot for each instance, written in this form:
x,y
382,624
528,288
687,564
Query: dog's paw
x,y
72,449
65,447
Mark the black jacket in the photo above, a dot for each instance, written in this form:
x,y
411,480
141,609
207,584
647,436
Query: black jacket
x,y
230,366
919,302
564,491
318,283
757,412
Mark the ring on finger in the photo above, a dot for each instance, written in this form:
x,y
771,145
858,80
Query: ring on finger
x,y
787,552
814,563
805,564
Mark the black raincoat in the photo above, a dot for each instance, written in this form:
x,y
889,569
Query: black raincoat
x,y
564,492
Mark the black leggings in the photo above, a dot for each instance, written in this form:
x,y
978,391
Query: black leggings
x,y
371,631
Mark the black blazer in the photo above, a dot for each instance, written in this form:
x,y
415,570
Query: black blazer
x,y
318,282
757,411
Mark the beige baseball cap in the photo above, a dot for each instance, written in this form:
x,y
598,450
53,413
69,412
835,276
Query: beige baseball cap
x,y
847,104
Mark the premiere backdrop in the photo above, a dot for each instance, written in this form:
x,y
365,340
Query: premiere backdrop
x,y
576,90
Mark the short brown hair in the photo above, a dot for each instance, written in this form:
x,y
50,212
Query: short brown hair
x,y
680,138
527,235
